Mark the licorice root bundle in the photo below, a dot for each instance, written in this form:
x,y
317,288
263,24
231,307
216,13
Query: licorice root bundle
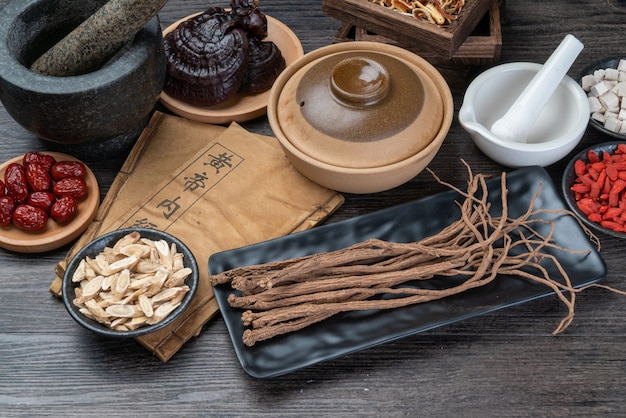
x,y
285,296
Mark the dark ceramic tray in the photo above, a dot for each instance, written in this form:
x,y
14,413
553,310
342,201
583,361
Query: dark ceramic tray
x,y
350,332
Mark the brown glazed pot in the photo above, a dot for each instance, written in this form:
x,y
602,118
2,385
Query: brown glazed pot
x,y
360,117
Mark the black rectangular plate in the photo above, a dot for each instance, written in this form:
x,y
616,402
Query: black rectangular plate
x,y
353,331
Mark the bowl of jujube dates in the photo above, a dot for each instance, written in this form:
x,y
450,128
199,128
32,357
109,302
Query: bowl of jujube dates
x,y
46,200
594,187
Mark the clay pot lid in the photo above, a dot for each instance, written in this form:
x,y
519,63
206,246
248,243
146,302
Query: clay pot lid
x,y
360,108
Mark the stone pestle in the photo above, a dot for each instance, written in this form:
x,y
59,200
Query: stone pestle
x,y
98,38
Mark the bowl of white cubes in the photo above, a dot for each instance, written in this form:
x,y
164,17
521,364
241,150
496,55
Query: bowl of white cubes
x,y
605,84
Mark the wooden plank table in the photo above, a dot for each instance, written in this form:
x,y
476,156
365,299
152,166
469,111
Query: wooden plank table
x,y
503,364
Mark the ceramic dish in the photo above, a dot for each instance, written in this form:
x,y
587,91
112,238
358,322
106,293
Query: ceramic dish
x,y
569,176
94,248
54,236
239,108
610,62
350,332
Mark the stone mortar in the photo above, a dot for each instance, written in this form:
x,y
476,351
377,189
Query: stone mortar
x,y
103,111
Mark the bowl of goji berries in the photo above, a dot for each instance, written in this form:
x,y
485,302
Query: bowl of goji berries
x,y
594,187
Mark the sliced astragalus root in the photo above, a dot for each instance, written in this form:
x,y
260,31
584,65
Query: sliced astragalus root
x,y
134,283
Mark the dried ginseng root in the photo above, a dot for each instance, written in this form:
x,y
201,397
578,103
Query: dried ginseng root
x,y
136,282
285,296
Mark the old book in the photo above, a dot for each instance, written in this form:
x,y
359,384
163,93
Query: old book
x,y
230,188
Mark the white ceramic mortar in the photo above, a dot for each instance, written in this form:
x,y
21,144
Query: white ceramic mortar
x,y
555,133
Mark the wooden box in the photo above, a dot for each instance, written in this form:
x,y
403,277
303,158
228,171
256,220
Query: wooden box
x,y
444,41
482,46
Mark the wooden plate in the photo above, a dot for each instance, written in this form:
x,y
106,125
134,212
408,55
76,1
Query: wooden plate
x,y
53,236
239,108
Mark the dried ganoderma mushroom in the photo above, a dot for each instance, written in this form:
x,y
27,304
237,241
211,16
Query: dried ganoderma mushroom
x,y
265,64
209,55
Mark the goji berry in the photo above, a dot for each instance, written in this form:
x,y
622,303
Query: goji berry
x,y
612,173
601,180
599,166
612,213
592,156
580,188
619,158
588,206
580,167
620,166
594,193
612,225
595,217
606,185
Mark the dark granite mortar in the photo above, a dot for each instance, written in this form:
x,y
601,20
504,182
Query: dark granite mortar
x,y
102,112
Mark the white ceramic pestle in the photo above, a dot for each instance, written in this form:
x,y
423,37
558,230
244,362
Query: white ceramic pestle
x,y
517,121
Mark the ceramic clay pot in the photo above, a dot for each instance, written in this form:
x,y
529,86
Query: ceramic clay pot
x,y
102,110
360,117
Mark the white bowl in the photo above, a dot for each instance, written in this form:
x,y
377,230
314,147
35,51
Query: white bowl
x,y
558,129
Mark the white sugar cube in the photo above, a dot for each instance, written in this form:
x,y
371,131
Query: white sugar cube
x,y
622,65
611,74
599,89
609,100
613,124
595,105
622,115
588,81
620,89
598,116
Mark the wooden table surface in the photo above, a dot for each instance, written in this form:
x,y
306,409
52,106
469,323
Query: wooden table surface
x,y
503,364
